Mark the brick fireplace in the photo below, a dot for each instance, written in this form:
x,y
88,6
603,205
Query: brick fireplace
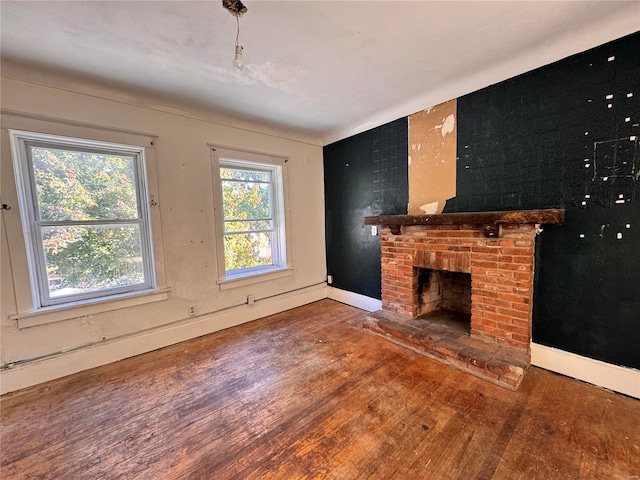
x,y
459,288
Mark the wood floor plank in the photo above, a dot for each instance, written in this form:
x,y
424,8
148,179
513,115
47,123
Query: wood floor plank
x,y
307,394
575,433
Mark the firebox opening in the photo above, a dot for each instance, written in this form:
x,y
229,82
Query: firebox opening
x,y
445,294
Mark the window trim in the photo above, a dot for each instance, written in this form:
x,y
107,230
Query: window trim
x,y
94,306
20,141
225,156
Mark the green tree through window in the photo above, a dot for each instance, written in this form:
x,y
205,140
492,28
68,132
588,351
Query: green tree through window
x,y
81,186
88,226
252,220
248,222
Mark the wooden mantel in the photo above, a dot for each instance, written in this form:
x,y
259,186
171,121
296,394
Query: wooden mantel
x,y
492,221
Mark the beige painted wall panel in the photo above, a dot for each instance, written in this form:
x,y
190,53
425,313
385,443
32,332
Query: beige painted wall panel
x,y
432,158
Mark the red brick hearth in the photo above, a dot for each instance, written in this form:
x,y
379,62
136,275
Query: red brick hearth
x,y
459,288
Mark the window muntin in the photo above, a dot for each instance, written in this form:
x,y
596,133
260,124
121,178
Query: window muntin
x,y
252,217
86,225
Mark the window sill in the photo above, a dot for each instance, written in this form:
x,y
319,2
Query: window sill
x,y
243,281
60,313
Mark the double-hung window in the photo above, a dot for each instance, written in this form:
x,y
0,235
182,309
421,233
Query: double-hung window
x,y
85,217
251,216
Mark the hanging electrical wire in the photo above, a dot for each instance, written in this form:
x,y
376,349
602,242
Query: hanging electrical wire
x,y
237,9
237,61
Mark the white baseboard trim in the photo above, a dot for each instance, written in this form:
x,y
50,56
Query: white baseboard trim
x,y
354,299
51,368
613,377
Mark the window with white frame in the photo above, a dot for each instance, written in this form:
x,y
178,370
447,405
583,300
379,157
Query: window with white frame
x,y
251,216
85,217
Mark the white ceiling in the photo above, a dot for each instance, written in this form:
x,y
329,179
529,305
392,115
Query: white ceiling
x,y
328,69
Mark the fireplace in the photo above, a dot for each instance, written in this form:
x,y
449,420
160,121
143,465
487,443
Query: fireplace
x,y
441,290
474,270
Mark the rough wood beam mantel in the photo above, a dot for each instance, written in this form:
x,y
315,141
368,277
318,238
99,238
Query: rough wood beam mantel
x,y
518,217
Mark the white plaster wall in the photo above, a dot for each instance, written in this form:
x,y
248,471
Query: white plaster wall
x,y
185,208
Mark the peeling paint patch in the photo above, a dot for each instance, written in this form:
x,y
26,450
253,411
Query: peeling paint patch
x,y
447,126
276,76
432,172
174,62
430,208
271,75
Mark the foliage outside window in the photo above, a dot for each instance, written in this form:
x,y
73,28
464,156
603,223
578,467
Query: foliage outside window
x,y
252,217
85,217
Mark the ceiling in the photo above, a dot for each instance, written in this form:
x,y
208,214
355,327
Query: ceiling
x,y
327,69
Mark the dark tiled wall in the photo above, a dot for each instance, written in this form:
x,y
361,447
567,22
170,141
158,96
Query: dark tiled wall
x,y
566,135
558,136
364,175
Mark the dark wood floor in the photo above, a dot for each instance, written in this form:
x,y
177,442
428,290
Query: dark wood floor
x,y
306,394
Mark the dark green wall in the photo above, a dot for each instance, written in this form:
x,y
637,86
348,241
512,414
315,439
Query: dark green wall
x,y
552,138
364,175
547,138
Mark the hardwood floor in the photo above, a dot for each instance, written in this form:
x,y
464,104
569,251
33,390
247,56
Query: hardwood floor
x,y
307,394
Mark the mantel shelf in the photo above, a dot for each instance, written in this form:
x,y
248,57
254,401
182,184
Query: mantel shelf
x,y
518,217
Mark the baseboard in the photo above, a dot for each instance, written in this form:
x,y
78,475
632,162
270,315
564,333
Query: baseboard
x,y
354,299
39,371
613,377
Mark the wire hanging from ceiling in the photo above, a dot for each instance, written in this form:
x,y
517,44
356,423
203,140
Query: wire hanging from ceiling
x,y
237,9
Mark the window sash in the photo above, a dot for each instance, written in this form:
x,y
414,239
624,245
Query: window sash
x,y
244,232
22,143
30,145
237,180
276,232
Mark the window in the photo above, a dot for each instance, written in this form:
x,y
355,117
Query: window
x,y
251,216
85,217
